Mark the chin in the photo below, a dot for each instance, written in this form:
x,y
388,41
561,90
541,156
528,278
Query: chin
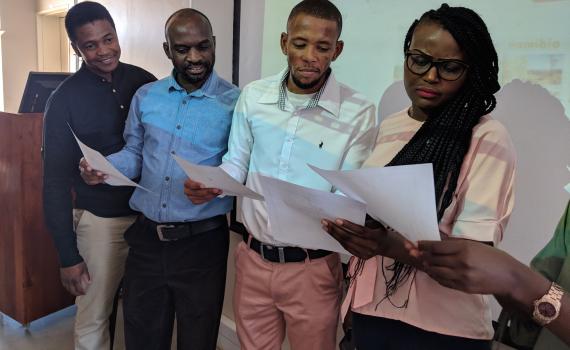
x,y
427,104
108,68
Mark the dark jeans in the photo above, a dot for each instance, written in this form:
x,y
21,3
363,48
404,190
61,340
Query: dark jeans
x,y
375,333
184,278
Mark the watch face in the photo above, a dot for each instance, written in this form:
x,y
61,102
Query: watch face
x,y
546,309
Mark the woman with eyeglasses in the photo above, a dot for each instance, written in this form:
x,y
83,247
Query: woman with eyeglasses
x,y
450,75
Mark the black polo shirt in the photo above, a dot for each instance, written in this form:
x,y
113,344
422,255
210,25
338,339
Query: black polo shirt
x,y
96,109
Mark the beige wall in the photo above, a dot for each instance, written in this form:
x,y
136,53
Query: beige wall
x,y
19,53
50,5
140,26
221,14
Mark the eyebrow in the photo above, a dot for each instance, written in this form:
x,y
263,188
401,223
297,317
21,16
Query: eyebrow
x,y
205,41
444,59
319,42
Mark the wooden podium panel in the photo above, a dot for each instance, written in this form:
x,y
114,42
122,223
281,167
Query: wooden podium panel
x,y
30,287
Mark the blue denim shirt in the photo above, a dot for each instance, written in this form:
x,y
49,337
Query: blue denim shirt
x,y
165,119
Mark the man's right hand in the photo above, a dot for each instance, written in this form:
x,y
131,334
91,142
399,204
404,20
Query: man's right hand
x,y
90,175
198,193
75,278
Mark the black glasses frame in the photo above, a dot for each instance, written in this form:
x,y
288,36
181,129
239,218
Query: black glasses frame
x,y
437,63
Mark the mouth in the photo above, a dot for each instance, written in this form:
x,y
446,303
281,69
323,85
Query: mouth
x,y
308,73
196,69
427,93
107,61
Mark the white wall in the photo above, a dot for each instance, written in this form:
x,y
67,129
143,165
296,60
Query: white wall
x,y
19,53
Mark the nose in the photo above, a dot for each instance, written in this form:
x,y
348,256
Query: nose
x,y
193,56
431,75
103,50
309,54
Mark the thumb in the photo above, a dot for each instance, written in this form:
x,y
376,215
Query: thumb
x,y
87,276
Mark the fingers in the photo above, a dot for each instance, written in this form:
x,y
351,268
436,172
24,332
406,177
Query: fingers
x,y
90,175
412,249
198,193
350,226
356,245
75,286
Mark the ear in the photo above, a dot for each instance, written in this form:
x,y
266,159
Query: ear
x,y
338,49
166,49
214,40
283,42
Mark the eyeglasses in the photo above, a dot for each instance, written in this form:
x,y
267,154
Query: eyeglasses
x,y
447,69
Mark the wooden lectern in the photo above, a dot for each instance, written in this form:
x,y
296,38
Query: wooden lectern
x,y
30,287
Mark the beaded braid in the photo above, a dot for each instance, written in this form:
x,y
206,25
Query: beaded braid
x,y
445,136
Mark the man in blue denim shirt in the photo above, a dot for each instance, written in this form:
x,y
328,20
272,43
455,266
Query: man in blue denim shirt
x,y
178,250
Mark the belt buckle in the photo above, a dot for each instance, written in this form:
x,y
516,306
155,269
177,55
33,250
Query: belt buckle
x,y
161,235
280,252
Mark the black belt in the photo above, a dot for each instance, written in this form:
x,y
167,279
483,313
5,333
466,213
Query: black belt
x,y
172,231
283,254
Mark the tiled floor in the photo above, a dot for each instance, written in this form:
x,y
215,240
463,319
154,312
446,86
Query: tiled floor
x,y
53,332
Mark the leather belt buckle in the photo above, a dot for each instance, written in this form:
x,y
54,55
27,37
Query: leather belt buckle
x,y
161,235
280,252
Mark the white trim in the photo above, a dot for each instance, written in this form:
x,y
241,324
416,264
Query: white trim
x,y
56,10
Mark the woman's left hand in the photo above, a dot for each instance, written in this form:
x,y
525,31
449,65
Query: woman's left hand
x,y
361,241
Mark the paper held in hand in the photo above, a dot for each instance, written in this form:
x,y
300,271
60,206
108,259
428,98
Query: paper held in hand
x,y
295,214
98,162
402,197
215,177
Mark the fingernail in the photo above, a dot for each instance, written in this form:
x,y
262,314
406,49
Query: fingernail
x,y
338,221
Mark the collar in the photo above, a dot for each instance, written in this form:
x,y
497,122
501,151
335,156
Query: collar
x,y
327,97
209,89
117,74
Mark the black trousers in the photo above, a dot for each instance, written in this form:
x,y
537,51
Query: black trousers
x,y
184,278
378,333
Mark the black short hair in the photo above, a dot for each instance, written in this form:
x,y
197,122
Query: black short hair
x,y
187,12
323,9
83,13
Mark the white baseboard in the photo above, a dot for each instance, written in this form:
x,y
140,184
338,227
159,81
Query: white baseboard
x,y
227,336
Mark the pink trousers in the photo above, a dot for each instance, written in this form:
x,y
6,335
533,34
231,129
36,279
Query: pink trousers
x,y
302,299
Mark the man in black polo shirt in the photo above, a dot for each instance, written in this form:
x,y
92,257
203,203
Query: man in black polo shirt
x,y
88,232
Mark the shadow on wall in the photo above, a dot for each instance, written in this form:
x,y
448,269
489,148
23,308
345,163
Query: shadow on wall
x,y
540,131
393,100
541,134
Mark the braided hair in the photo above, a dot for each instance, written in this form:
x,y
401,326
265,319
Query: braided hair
x,y
445,137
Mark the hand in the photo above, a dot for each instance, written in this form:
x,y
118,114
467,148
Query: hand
x,y
468,266
198,193
75,278
363,241
90,175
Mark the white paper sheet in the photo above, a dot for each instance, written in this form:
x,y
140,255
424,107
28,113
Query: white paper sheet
x,y
215,177
403,197
295,214
98,162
